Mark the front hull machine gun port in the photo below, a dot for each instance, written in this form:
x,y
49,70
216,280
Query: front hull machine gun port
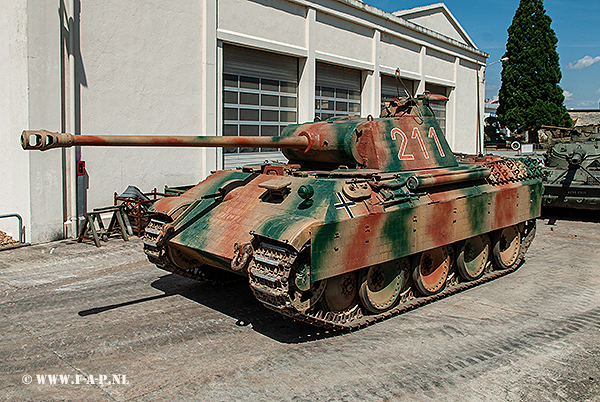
x,y
369,218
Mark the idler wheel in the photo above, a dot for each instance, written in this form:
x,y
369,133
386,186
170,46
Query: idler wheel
x,y
507,247
430,270
382,285
473,257
340,292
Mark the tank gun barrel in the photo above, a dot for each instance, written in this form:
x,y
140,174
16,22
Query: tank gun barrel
x,y
43,140
409,138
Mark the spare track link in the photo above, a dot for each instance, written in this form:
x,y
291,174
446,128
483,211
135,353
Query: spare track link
x,y
269,279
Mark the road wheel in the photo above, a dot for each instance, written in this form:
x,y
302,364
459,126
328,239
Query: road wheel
x,y
430,270
340,292
382,284
473,256
507,247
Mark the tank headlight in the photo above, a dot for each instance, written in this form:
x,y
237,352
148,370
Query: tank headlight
x,y
306,192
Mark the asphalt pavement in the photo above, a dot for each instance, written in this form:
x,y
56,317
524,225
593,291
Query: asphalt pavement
x,y
103,324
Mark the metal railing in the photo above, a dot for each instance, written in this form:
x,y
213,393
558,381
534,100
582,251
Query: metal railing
x,y
21,227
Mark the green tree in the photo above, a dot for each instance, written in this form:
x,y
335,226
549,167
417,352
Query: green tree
x,y
530,95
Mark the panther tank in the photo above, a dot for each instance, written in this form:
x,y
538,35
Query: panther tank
x,y
369,218
573,171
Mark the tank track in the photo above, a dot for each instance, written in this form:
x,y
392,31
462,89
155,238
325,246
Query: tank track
x,y
151,249
269,276
156,255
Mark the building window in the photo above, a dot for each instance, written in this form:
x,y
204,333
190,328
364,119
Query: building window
x,y
438,107
254,106
332,102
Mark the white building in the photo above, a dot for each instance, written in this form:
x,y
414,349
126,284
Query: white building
x,y
213,67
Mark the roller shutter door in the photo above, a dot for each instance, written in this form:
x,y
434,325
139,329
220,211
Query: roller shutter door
x,y
438,107
337,91
260,97
390,90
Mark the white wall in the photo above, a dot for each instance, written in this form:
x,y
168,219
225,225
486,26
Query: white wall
x,y
45,168
272,22
14,194
339,39
438,67
30,87
438,21
142,74
465,121
399,53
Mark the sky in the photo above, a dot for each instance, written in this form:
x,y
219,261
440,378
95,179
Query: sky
x,y
575,22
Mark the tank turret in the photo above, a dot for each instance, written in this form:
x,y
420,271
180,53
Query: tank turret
x,y
370,217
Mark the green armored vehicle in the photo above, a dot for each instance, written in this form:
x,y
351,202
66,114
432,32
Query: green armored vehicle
x,y
369,218
572,176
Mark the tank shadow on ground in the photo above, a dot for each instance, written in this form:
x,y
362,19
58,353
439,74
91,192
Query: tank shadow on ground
x,y
234,300
237,301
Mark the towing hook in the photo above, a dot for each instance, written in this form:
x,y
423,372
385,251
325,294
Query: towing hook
x,y
166,232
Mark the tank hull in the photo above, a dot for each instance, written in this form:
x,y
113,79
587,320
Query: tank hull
x,y
347,227
346,233
572,197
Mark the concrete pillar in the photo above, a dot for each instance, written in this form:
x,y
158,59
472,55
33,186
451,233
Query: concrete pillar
x,y
421,83
308,71
451,109
371,90
211,84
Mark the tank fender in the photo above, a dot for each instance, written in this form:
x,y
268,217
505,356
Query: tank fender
x,y
172,206
175,206
294,231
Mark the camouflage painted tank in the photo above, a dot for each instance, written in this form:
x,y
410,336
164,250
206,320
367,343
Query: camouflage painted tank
x,y
369,218
573,171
